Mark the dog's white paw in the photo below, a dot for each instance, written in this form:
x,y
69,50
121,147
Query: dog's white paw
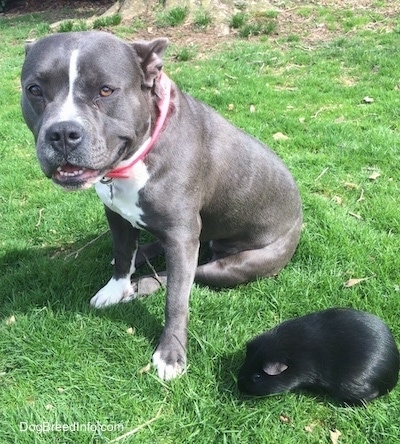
x,y
166,371
115,291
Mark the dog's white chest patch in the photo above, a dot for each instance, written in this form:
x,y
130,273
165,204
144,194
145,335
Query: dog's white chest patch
x,y
122,195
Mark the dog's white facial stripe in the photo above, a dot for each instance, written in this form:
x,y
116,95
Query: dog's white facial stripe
x,y
68,110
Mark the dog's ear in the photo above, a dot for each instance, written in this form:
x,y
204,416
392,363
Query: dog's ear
x,y
150,58
28,45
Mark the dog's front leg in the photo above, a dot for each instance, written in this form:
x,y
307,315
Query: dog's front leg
x,y
181,255
125,242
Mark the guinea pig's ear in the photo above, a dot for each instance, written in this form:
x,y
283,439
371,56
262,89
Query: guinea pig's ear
x,y
274,368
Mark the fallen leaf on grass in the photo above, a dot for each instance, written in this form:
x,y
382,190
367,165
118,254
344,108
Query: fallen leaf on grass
x,y
284,418
355,281
338,200
285,88
335,435
280,136
310,428
10,320
350,185
144,369
374,175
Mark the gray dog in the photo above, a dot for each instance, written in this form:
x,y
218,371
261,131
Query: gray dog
x,y
103,113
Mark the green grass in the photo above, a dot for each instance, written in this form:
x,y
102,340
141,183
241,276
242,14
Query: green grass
x,y
104,22
101,23
249,25
202,18
185,53
64,363
238,20
172,17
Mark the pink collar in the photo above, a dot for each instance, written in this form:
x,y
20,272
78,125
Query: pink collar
x,y
124,169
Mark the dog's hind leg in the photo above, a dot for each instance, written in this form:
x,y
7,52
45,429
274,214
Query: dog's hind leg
x,y
247,265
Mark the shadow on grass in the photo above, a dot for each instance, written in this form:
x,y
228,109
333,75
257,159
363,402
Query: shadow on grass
x,y
65,281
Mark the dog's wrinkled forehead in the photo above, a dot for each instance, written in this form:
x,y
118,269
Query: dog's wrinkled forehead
x,y
97,54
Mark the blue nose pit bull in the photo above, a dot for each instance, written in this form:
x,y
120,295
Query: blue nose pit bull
x,y
103,113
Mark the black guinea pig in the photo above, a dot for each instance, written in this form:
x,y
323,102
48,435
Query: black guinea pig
x,y
348,354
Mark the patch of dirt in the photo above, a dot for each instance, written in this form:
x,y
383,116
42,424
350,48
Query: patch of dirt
x,y
57,9
305,20
310,28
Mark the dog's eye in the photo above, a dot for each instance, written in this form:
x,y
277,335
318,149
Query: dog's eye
x,y
35,90
106,91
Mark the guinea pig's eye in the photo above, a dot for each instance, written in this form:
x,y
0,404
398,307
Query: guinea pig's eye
x,y
256,377
35,90
106,91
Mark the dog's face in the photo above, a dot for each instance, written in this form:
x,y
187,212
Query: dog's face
x,y
83,97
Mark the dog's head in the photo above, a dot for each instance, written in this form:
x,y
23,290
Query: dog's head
x,y
88,98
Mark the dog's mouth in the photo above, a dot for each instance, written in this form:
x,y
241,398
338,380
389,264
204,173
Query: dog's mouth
x,y
76,177
73,177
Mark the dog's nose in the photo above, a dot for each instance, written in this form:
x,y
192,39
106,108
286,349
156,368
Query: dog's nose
x,y
65,136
